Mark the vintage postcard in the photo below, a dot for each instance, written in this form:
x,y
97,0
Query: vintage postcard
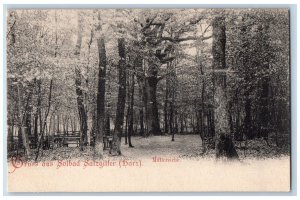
x,y
148,100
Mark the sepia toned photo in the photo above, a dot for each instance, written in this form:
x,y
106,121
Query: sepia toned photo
x,y
148,100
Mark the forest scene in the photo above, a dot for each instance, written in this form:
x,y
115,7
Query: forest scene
x,y
189,83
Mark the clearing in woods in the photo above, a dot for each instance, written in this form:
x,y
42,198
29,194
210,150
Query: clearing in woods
x,y
144,147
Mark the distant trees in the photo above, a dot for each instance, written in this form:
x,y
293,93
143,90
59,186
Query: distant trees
x,y
252,51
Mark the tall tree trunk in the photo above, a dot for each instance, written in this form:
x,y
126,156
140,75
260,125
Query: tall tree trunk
x,y
198,123
140,79
171,119
130,125
79,91
224,144
93,129
38,109
172,90
181,122
87,138
175,121
141,111
152,109
185,119
28,114
100,114
126,127
166,104
40,143
127,109
145,97
100,127
152,119
35,126
116,143
202,135
50,123
22,128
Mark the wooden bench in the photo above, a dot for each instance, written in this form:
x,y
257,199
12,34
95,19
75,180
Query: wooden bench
x,y
71,139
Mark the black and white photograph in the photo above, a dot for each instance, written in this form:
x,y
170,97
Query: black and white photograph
x,y
144,98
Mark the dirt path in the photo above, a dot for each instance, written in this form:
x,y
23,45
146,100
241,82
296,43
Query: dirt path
x,y
162,146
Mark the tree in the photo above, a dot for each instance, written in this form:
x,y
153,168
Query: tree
x,y
115,149
100,128
153,37
78,85
130,116
224,144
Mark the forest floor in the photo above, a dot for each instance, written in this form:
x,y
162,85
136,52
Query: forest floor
x,y
184,147
67,168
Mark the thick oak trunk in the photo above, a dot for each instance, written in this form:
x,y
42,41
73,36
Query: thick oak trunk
x,y
152,109
224,144
116,143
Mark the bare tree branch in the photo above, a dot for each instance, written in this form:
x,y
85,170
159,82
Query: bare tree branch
x,y
186,39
